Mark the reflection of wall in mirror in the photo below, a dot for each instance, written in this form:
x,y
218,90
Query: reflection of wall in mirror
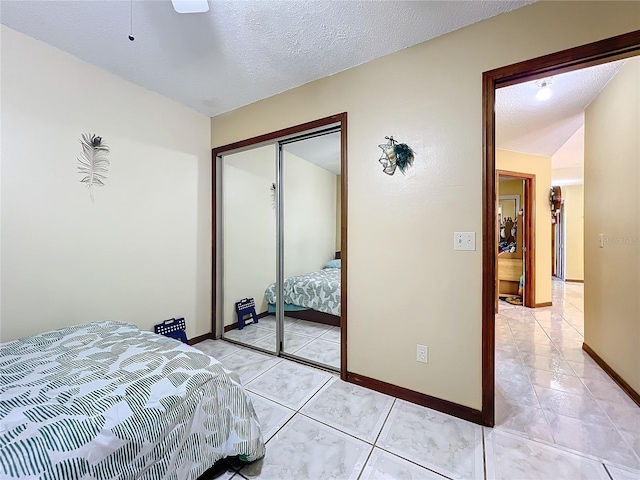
x,y
309,216
510,188
249,228
508,208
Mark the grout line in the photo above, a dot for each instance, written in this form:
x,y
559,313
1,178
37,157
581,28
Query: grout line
x,y
335,428
253,347
393,404
244,385
299,348
484,454
247,387
601,403
372,443
211,354
301,413
579,452
411,461
531,384
556,446
306,335
313,340
271,400
316,392
608,472
275,434
364,464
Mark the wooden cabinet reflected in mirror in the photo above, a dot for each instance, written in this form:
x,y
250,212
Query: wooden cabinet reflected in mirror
x,y
510,242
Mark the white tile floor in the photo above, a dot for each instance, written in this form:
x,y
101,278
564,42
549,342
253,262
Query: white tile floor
x,y
308,340
549,391
558,416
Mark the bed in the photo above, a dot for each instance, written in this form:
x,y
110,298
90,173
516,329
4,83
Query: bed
x,y
313,296
106,400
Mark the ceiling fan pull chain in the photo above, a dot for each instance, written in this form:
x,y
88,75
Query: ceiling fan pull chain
x,y
131,24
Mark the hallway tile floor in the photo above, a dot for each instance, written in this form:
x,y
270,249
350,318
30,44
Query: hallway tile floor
x,y
558,415
550,391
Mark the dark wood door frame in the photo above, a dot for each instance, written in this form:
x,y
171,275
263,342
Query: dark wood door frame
x,y
610,49
529,233
217,152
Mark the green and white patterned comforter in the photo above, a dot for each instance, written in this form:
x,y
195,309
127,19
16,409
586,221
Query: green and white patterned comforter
x,y
108,401
317,290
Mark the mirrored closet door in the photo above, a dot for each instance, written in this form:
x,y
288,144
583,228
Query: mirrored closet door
x,y
249,246
280,252
311,243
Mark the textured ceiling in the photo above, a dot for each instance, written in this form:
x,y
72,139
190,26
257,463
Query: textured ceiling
x,y
324,151
524,124
240,51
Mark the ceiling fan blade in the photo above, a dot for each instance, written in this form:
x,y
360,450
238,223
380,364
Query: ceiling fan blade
x,y
190,6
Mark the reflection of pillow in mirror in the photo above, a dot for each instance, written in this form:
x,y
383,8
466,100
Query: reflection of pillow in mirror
x,y
333,264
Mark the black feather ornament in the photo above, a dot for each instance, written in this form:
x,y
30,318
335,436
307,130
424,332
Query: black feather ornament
x,y
404,156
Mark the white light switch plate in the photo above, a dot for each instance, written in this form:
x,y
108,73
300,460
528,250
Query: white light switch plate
x,y
464,240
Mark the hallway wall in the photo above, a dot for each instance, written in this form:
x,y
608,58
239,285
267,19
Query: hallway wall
x,y
612,209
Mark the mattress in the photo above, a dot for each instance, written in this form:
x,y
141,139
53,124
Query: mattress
x,y
317,290
109,401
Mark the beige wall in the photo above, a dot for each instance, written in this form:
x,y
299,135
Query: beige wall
x,y
612,208
401,227
249,223
511,187
539,166
573,196
141,252
567,164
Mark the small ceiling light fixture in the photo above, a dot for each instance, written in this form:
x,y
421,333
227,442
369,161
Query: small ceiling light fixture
x,y
544,92
190,6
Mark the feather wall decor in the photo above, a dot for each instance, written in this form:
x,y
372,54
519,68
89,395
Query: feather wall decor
x,y
93,162
394,155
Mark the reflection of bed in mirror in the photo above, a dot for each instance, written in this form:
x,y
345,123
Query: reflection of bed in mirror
x,y
312,296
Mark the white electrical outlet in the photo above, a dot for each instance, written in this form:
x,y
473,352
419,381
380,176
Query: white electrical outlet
x,y
464,240
422,354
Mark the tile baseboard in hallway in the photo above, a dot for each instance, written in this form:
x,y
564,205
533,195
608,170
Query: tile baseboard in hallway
x,y
554,428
